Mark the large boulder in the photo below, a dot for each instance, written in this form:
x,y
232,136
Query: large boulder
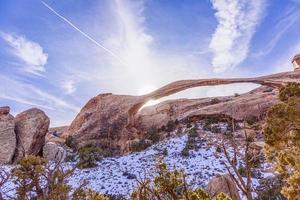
x,y
225,184
54,151
31,127
7,136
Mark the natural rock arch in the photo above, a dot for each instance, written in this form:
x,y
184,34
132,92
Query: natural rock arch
x,y
110,119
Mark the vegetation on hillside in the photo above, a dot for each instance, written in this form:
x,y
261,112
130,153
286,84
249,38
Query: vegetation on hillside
x,y
170,185
282,136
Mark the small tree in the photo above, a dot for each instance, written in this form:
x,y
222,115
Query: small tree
x,y
36,178
237,172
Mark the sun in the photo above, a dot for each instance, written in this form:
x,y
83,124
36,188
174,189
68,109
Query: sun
x,y
145,90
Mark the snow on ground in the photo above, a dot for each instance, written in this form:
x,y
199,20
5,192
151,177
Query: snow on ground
x,y
117,175
110,175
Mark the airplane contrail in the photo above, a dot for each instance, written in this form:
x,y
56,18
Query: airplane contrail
x,y
83,33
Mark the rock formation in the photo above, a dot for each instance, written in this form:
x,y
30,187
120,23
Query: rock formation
x,y
53,151
254,103
112,121
31,127
225,184
7,136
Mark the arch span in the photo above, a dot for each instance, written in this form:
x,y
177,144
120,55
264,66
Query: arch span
x,y
179,86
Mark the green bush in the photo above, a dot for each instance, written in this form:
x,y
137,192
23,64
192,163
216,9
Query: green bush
x,y
185,152
139,145
215,101
165,152
251,120
71,142
270,188
153,135
193,132
90,154
170,126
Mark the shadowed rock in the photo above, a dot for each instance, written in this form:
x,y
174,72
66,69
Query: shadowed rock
x,y
31,127
7,136
111,121
223,184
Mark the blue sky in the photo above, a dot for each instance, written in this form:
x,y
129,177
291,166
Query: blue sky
x,y
56,54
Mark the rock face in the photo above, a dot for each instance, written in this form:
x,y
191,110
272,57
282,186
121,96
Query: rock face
x,y
112,121
7,136
223,183
53,151
252,104
31,127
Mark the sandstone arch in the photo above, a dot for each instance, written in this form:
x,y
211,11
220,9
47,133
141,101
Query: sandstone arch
x,y
109,120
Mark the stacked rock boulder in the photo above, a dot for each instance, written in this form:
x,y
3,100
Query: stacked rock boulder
x,y
31,128
7,136
22,135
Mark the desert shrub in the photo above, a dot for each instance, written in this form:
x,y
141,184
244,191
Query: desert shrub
x,y
189,125
242,171
291,90
89,155
215,129
116,197
129,175
153,134
215,101
140,145
163,128
71,142
83,194
269,188
169,185
70,158
192,132
251,119
165,152
219,149
185,152
179,131
170,126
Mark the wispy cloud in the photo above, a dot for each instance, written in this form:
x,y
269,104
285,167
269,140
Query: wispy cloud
x,y
69,86
237,22
28,94
29,52
288,19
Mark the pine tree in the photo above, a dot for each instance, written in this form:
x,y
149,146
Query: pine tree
x,y
282,136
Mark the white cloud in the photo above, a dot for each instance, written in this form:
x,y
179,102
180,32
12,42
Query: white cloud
x,y
31,53
237,21
28,94
69,86
146,67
